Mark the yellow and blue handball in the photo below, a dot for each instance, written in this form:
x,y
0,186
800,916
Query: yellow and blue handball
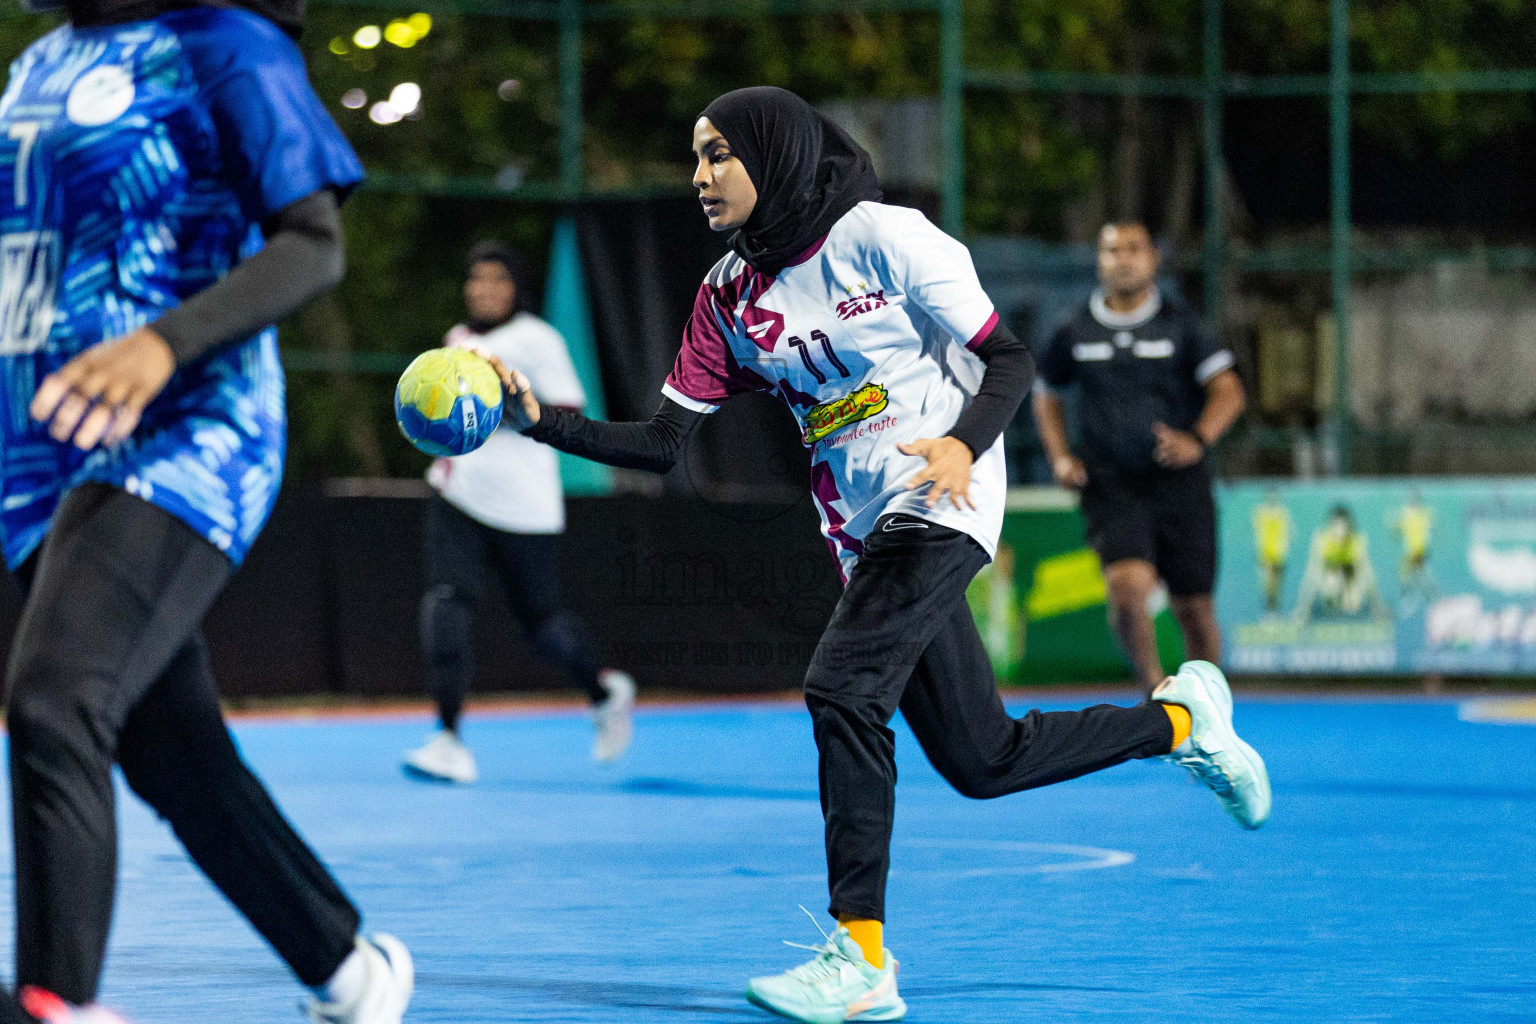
x,y
448,401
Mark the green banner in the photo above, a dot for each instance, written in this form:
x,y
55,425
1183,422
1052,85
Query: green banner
x,y
1040,604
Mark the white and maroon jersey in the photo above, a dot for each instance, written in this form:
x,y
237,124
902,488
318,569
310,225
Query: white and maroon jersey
x,y
512,482
865,338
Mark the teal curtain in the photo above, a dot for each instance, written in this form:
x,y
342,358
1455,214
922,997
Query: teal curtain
x,y
566,308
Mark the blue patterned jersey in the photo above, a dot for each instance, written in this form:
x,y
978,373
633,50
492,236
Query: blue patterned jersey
x,y
137,162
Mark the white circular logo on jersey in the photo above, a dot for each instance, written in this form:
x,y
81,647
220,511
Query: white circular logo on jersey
x,y
100,96
1123,339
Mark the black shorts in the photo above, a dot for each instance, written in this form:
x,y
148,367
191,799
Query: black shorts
x,y
1166,517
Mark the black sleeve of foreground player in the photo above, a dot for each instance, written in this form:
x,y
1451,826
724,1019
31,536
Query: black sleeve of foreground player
x,y
652,445
1009,374
304,257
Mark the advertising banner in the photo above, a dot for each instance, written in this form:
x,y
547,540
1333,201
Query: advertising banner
x,y
1361,577
1040,605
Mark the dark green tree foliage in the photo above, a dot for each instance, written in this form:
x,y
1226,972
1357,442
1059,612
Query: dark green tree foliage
x,y
1045,165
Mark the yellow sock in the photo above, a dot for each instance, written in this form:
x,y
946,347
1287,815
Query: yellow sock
x,y
1178,714
870,935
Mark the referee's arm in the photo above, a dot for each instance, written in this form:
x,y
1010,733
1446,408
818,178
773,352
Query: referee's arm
x,y
1224,403
1055,370
1209,364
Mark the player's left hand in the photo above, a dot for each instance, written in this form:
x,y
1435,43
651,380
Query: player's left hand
x,y
97,397
519,407
1176,449
948,471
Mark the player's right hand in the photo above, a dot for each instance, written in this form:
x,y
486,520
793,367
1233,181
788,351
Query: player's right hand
x,y
519,407
1070,472
98,396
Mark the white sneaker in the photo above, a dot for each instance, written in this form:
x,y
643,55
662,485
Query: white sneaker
x,y
444,758
50,1009
391,979
838,985
614,718
1213,753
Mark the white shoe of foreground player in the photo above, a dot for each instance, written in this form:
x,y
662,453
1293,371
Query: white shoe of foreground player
x,y
1213,753
614,718
50,1009
391,979
837,985
444,758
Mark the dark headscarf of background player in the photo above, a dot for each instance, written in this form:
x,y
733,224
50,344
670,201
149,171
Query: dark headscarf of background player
x,y
809,174
516,266
304,255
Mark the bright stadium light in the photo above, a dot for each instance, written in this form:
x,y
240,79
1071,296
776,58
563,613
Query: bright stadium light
x,y
368,37
405,98
421,24
383,113
354,99
399,33
338,46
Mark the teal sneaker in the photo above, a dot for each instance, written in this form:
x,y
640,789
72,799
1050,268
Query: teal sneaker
x,y
1213,753
838,985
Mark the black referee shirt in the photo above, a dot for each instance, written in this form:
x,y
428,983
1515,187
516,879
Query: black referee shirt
x,y
1135,369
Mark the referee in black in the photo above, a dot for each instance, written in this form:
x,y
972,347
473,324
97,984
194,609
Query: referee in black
x,y
1157,390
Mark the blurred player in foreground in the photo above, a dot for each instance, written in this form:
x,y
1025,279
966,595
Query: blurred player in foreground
x,y
870,325
1157,392
500,508
148,150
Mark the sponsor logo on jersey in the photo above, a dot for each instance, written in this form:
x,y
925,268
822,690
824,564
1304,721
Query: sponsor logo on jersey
x,y
100,96
850,308
828,418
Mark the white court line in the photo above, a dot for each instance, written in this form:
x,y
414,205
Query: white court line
x,y
1093,858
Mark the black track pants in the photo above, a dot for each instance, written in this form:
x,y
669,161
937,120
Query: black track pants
x,y
109,664
456,551
12,1013
902,635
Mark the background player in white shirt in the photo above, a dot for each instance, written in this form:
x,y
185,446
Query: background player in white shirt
x,y
501,508
869,323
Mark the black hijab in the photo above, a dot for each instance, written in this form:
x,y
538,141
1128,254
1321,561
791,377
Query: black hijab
x,y
808,172
287,15
517,269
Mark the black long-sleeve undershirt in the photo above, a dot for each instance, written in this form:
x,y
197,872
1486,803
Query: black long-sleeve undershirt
x,y
653,445
1009,374
304,257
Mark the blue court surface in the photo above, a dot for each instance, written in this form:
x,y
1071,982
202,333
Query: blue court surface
x,y
1394,882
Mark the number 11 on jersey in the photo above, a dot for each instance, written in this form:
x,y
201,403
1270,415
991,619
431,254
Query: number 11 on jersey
x,y
809,360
